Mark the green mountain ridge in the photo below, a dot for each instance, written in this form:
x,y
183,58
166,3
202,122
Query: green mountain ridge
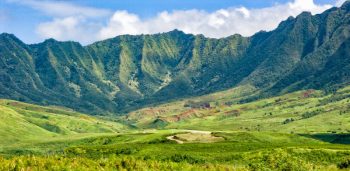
x,y
128,72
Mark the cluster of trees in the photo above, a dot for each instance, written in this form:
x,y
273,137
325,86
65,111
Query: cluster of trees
x,y
312,113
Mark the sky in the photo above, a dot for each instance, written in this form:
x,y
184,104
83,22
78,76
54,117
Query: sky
x,y
87,21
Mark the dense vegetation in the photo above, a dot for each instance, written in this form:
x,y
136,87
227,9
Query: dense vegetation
x,y
285,108
271,134
150,151
128,72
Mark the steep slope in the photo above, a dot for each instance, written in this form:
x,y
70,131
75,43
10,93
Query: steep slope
x,y
56,73
328,64
153,68
69,70
17,71
127,72
305,45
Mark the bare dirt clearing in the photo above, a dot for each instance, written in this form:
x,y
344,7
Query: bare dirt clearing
x,y
194,136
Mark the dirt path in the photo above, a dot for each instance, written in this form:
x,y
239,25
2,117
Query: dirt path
x,y
172,138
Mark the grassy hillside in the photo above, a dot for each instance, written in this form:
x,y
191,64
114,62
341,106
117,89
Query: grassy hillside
x,y
305,130
22,122
299,112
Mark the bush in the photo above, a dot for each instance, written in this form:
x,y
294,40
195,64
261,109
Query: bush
x,y
277,160
185,158
287,121
344,164
112,163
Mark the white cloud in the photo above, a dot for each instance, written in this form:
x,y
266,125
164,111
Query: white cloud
x,y
120,23
221,23
69,21
81,24
70,28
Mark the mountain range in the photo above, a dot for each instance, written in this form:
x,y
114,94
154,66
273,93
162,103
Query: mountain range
x,y
128,72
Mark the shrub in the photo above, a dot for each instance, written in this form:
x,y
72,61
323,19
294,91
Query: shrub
x,y
289,120
277,160
185,158
344,164
111,163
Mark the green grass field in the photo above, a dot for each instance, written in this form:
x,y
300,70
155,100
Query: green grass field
x,y
306,130
308,111
152,151
26,123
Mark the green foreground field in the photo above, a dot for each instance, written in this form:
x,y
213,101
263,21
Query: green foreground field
x,y
152,151
306,130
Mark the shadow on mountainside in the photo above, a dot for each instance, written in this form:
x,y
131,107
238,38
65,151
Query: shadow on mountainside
x,y
329,137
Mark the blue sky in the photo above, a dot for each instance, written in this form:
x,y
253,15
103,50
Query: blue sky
x,y
87,21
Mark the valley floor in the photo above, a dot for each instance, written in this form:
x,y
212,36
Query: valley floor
x,y
152,150
306,130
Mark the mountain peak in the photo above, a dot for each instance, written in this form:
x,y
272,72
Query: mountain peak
x,y
176,31
8,35
346,5
50,40
305,14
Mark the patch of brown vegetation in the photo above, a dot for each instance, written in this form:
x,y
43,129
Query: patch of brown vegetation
x,y
185,115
